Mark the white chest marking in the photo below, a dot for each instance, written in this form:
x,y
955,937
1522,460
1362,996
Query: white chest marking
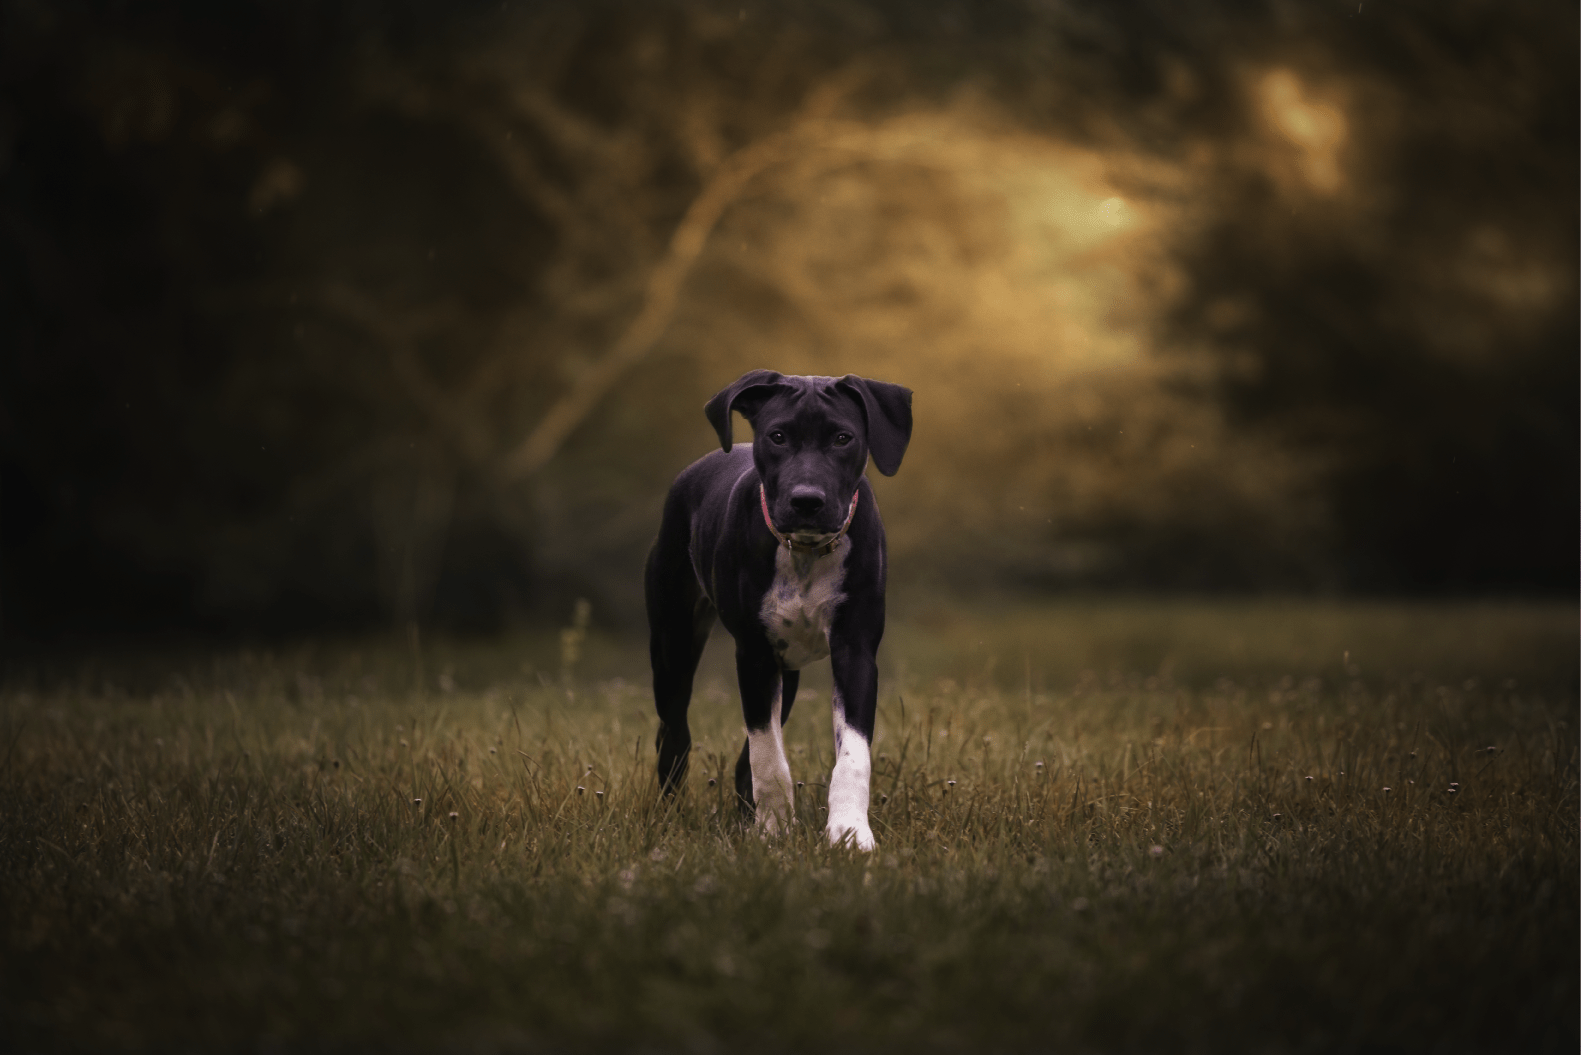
x,y
801,602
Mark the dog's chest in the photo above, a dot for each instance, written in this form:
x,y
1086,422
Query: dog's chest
x,y
800,604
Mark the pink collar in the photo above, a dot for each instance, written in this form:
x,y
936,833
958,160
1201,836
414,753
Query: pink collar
x,y
791,544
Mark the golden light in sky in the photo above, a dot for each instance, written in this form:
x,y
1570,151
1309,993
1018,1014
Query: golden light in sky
x,y
1316,129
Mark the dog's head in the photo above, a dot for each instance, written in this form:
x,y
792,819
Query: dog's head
x,y
811,440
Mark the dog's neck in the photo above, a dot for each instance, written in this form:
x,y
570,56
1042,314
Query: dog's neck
x,y
818,548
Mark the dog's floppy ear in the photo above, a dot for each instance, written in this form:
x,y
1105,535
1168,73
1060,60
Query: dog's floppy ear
x,y
887,408
745,394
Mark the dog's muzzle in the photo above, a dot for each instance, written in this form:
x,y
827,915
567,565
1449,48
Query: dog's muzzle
x,y
819,544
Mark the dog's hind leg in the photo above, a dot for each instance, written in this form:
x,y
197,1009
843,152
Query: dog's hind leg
x,y
679,619
789,680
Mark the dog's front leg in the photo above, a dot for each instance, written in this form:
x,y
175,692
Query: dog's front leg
x,y
758,674
855,704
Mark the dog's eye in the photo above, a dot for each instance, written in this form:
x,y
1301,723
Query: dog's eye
x,y
777,438
842,439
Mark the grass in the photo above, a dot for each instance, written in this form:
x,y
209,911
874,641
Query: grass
x,y
1105,826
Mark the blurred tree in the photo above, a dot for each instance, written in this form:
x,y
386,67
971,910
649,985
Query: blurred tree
x,y
1390,276
320,315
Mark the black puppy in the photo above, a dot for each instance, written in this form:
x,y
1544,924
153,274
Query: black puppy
x,y
782,541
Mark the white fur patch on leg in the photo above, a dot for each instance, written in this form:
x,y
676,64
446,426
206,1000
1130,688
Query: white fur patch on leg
x,y
771,775
848,785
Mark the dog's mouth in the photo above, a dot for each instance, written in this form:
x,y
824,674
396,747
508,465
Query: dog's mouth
x,y
801,530
811,536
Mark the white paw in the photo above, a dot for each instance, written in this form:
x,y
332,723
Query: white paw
x,y
774,809
856,835
771,822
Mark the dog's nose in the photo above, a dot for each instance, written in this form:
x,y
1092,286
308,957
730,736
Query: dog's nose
x,y
806,501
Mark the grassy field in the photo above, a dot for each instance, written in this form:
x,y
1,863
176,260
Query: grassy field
x,y
1106,826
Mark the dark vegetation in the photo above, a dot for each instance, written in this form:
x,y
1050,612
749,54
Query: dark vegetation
x,y
286,287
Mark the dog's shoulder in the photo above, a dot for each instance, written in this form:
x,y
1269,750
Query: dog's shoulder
x,y
702,492
715,469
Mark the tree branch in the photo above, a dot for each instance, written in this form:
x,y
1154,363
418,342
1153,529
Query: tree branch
x,y
659,300
453,417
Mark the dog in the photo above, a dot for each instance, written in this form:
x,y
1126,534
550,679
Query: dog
x,y
780,540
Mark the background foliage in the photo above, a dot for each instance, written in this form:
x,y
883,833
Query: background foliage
x,y
321,316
